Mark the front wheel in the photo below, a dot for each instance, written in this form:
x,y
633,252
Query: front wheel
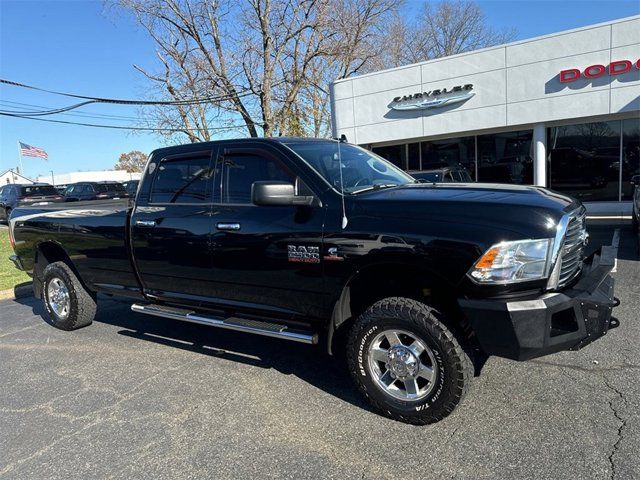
x,y
409,366
69,304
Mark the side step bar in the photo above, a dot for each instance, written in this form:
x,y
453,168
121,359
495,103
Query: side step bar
x,y
230,323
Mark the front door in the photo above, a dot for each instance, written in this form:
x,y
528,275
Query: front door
x,y
265,257
171,228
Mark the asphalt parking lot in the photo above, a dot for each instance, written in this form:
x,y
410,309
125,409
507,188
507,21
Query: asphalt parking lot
x,y
133,396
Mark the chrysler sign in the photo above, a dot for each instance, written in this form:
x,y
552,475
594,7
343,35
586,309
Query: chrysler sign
x,y
433,98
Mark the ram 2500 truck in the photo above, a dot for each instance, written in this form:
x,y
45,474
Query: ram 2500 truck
x,y
322,241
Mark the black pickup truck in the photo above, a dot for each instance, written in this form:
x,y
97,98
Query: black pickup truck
x,y
322,241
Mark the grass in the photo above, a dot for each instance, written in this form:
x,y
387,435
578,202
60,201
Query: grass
x,y
10,276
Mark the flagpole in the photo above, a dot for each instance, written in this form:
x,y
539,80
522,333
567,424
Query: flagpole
x,y
20,155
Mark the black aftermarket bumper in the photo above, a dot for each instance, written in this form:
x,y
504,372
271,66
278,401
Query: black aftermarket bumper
x,y
555,321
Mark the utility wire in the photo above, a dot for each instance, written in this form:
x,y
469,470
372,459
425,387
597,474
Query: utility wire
x,y
10,104
41,113
192,101
122,127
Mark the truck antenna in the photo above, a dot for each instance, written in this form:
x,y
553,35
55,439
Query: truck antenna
x,y
345,220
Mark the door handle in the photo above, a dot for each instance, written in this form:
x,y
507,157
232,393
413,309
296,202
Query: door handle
x,y
228,226
145,223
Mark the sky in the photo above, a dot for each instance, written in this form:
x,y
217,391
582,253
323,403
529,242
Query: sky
x,y
84,48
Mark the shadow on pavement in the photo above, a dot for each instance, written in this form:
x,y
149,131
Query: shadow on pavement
x,y
309,363
602,234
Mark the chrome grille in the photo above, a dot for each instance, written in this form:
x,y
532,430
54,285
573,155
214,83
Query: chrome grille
x,y
573,248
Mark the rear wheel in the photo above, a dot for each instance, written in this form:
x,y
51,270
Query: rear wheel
x,y
406,362
69,304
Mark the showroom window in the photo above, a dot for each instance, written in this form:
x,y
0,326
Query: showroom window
x,y
584,160
457,153
630,155
506,158
413,156
396,154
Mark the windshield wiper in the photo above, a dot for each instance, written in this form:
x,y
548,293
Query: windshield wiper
x,y
375,187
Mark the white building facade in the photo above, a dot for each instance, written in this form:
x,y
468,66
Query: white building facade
x,y
11,176
560,111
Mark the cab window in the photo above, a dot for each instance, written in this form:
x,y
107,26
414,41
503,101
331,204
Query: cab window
x,y
238,172
183,180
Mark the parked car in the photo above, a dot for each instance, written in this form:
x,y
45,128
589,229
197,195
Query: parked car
x,y
131,187
442,175
315,240
13,195
77,192
83,191
635,213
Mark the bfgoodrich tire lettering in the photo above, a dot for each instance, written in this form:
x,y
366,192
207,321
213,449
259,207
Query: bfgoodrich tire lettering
x,y
68,303
452,367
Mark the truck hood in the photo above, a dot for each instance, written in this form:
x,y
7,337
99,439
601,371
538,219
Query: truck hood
x,y
526,211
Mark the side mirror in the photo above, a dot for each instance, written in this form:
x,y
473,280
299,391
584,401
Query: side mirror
x,y
635,180
266,193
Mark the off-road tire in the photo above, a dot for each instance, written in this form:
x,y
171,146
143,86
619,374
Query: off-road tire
x,y
82,308
455,368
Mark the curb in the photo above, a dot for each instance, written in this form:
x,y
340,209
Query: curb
x,y
20,291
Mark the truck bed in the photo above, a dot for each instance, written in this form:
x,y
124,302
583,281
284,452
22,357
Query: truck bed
x,y
94,235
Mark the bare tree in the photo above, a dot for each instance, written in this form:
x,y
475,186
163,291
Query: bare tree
x,y
259,61
441,29
265,66
132,162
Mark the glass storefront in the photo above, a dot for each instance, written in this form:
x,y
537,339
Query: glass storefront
x,y
583,160
455,153
630,155
396,154
413,156
505,158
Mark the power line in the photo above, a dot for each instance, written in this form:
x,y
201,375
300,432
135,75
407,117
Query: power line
x,y
193,101
122,127
85,114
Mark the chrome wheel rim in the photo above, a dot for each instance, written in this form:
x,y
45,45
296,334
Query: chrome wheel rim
x,y
402,365
58,298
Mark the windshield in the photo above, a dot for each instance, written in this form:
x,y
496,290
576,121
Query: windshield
x,y
37,190
361,170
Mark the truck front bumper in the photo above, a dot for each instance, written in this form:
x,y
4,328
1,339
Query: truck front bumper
x,y
567,320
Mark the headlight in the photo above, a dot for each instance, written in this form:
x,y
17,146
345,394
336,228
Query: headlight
x,y
511,262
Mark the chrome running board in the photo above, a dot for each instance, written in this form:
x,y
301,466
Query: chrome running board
x,y
246,325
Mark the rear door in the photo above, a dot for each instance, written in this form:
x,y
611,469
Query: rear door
x,y
265,257
171,228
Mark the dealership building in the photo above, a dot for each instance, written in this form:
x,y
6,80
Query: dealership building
x,y
560,111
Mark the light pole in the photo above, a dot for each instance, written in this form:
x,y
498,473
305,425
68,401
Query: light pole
x,y
52,180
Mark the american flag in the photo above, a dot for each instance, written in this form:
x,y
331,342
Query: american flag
x,y
29,151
